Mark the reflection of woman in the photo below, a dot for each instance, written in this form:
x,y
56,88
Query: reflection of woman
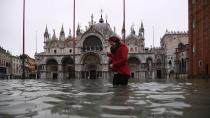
x,y
119,57
120,96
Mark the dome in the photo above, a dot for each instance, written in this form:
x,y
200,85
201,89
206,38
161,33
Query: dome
x,y
133,39
132,36
104,28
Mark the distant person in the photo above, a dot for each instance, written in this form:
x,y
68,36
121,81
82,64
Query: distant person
x,y
119,61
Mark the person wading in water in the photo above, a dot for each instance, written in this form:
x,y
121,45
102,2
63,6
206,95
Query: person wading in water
x,y
119,61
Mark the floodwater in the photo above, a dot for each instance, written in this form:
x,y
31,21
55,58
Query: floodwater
x,y
83,98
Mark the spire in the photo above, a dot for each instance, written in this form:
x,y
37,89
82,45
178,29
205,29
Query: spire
x,y
78,29
132,30
69,32
91,19
101,20
142,26
46,34
106,19
62,30
62,33
54,36
141,30
69,36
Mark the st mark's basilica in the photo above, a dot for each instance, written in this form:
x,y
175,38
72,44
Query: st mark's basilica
x,y
91,47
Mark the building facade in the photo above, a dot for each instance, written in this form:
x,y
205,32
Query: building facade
x,y
91,47
16,70
4,63
30,67
170,42
199,38
182,61
159,62
10,66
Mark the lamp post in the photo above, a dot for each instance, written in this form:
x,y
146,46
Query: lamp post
x,y
23,55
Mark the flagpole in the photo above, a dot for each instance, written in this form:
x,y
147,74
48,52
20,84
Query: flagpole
x,y
74,37
23,55
36,41
153,30
123,30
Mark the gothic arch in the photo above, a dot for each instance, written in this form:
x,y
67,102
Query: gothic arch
x,y
91,57
158,62
149,59
134,60
91,63
67,60
52,68
92,42
134,64
68,67
149,63
51,61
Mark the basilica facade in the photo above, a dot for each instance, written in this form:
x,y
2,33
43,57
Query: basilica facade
x,y
89,59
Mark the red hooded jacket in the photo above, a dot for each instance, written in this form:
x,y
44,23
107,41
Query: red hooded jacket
x,y
120,60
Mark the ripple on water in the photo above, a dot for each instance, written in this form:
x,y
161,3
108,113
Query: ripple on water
x,y
165,97
97,98
117,116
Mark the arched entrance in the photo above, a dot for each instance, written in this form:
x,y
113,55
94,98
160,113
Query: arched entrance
x,y
52,68
91,64
149,64
159,68
134,64
68,68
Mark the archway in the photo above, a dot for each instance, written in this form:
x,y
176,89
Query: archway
x,y
159,71
134,64
149,63
68,67
91,63
52,68
149,72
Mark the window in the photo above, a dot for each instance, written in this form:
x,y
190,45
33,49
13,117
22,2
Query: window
x,y
200,63
194,24
193,48
55,51
170,63
70,50
131,49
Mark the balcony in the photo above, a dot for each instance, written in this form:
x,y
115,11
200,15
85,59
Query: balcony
x,y
91,49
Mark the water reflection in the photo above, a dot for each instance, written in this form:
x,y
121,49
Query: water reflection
x,y
98,99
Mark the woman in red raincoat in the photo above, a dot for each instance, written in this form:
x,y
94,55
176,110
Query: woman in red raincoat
x,y
119,61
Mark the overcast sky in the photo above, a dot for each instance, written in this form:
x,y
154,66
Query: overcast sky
x,y
162,14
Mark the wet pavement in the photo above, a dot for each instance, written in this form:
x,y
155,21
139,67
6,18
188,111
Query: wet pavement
x,y
81,98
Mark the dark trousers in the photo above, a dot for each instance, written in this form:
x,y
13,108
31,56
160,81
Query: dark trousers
x,y
120,79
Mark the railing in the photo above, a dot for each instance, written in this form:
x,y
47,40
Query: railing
x,y
91,48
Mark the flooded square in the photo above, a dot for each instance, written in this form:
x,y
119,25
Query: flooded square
x,y
84,98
